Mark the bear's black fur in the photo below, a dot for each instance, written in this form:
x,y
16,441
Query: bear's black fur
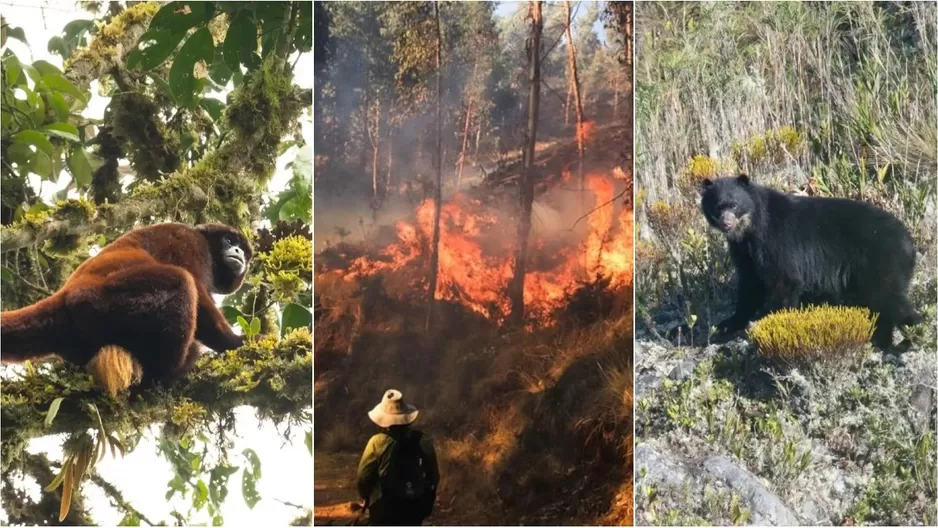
x,y
790,250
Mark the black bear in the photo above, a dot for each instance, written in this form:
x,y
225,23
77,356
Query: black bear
x,y
791,249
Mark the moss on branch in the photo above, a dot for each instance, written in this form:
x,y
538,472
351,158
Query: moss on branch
x,y
270,375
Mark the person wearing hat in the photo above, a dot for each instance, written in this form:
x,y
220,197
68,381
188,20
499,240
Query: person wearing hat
x,y
398,473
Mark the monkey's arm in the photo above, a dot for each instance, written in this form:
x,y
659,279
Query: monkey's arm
x,y
212,329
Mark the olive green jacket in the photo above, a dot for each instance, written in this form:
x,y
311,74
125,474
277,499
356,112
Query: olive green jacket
x,y
374,464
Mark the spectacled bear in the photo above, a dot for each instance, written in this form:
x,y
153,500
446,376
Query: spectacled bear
x,y
791,249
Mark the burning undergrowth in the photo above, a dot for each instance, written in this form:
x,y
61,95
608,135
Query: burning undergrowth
x,y
476,246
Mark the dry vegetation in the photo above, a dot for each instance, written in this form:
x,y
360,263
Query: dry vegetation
x,y
530,427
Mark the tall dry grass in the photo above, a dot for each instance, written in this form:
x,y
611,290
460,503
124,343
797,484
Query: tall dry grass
x,y
839,96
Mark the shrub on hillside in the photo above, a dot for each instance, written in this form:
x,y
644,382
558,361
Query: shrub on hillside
x,y
814,334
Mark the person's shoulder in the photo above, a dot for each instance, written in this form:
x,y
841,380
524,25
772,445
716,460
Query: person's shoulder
x,y
379,440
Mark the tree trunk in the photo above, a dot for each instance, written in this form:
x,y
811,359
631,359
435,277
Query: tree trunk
x,y
516,287
387,181
575,87
465,143
438,189
566,105
375,146
461,161
615,96
475,155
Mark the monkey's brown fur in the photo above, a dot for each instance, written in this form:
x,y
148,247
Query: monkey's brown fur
x,y
142,304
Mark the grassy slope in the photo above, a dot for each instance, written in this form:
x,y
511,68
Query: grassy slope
x,y
722,81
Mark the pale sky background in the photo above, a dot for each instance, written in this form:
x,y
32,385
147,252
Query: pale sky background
x,y
142,476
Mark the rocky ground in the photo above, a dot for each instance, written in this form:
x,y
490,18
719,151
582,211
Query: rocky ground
x,y
724,437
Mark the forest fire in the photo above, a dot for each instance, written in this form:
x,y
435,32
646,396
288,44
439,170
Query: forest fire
x,y
469,274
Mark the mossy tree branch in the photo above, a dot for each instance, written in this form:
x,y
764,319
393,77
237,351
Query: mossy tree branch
x,y
272,376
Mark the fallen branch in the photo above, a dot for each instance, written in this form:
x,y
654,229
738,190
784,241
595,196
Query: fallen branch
x,y
598,207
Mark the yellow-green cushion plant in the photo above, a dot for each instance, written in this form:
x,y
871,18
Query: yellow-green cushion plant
x,y
812,334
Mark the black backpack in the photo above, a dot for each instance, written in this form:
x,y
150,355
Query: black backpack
x,y
406,478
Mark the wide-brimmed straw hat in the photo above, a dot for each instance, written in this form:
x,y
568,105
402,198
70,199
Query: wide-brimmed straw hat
x,y
393,411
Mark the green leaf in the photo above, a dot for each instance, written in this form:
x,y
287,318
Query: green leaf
x,y
58,46
13,69
37,106
214,107
200,497
309,441
6,274
242,322
255,326
61,84
249,489
53,410
240,41
73,36
254,461
41,164
160,44
79,167
219,71
272,211
295,316
303,168
18,34
181,77
20,153
178,484
292,209
162,85
32,72
46,68
36,139
231,314
62,130
77,28
59,106
180,17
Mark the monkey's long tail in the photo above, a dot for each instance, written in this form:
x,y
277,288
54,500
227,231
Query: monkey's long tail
x,y
32,332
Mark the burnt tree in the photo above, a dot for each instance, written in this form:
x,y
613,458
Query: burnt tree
x,y
575,90
516,286
438,165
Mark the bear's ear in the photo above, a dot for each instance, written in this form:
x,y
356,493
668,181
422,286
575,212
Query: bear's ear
x,y
707,182
743,179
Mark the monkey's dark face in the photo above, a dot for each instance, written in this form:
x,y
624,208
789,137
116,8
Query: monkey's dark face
x,y
230,253
728,206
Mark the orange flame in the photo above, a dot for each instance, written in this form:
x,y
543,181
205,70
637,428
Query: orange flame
x,y
586,131
479,281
